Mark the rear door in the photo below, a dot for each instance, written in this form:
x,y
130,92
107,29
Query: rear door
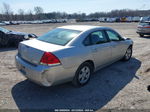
x,y
100,47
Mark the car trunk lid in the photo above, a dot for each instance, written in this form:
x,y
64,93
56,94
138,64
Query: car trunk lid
x,y
33,50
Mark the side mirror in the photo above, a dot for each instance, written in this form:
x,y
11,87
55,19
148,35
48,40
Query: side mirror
x,y
32,36
122,39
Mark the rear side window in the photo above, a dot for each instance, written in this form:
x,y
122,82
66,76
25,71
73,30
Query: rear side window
x,y
87,41
96,37
59,36
113,36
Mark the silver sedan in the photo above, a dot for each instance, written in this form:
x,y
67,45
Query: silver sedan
x,y
71,53
143,28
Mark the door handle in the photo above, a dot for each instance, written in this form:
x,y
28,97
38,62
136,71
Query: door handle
x,y
94,50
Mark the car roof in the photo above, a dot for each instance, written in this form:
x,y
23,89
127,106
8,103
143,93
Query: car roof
x,y
80,27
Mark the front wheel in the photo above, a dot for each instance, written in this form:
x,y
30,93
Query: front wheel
x,y
128,54
83,74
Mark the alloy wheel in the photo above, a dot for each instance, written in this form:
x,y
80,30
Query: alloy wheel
x,y
84,74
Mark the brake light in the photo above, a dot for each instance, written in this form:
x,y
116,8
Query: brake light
x,y
146,26
49,59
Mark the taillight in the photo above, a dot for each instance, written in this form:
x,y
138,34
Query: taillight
x,y
49,59
146,26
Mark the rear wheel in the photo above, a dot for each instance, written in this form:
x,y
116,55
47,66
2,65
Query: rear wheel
x,y
83,74
128,54
141,35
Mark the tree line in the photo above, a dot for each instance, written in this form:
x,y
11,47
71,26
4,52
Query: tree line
x,y
38,14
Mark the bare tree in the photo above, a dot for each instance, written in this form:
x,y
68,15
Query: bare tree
x,y
7,11
21,11
21,14
29,15
38,10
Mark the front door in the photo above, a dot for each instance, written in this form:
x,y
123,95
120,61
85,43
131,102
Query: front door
x,y
117,45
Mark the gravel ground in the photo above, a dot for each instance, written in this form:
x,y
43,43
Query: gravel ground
x,y
122,85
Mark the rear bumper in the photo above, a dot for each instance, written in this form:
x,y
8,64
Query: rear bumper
x,y
143,33
44,75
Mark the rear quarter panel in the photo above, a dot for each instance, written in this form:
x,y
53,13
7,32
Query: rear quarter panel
x,y
74,56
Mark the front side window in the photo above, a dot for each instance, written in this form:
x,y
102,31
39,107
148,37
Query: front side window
x,y
59,36
113,36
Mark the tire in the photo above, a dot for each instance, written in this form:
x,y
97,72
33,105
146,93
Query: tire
x,y
141,35
83,74
128,54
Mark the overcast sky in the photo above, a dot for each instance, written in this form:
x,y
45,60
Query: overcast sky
x,y
79,6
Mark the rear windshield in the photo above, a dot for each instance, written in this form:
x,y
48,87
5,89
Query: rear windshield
x,y
59,36
144,23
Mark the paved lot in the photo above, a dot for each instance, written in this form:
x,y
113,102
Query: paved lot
x,y
122,85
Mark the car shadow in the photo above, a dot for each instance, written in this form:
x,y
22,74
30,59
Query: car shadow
x,y
7,49
146,37
103,86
